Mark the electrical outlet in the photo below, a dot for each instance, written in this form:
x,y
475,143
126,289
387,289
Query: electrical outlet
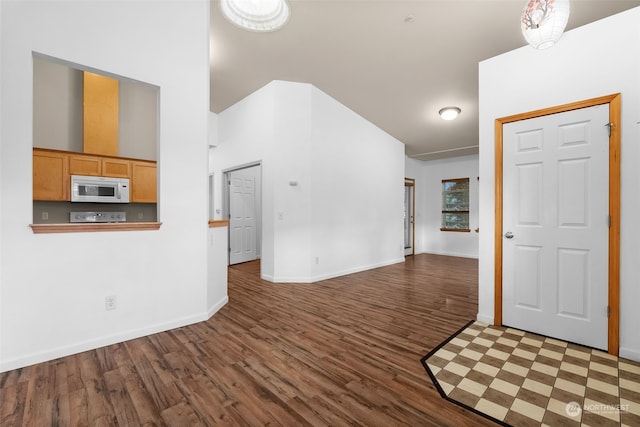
x,y
45,216
140,215
110,303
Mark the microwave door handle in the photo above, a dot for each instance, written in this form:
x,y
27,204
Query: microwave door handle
x,y
118,191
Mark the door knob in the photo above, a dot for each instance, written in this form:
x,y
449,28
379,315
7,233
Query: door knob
x,y
508,235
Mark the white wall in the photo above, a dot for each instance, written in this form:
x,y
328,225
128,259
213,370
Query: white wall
x,y
357,192
429,206
217,262
213,130
53,289
346,209
595,60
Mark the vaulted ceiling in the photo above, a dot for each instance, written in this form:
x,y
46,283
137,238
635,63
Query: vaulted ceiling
x,y
394,62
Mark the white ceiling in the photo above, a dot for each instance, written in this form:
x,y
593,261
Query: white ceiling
x,y
394,62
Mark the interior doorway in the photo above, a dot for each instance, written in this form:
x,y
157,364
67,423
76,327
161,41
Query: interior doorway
x,y
570,196
409,216
243,208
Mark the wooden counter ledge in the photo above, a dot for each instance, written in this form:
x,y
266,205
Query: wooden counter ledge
x,y
93,227
213,223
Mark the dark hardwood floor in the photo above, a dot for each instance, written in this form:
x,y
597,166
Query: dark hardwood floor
x,y
345,351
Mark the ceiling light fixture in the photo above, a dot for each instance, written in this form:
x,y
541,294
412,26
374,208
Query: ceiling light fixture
x,y
449,113
256,15
543,21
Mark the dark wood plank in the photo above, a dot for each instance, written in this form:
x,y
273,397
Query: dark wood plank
x,y
344,351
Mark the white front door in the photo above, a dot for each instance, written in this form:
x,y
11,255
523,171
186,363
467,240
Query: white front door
x,y
556,225
242,217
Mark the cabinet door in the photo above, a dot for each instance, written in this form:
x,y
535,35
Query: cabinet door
x,y
85,165
117,168
144,183
50,176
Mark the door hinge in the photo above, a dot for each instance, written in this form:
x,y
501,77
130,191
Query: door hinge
x,y
609,126
609,221
608,311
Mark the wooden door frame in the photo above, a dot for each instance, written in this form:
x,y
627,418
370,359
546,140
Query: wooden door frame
x,y
411,182
614,207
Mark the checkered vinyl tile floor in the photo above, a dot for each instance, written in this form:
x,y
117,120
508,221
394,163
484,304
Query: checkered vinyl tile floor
x,y
520,379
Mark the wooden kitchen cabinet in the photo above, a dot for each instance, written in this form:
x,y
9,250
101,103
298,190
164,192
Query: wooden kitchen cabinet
x,y
52,170
144,182
50,175
117,168
80,164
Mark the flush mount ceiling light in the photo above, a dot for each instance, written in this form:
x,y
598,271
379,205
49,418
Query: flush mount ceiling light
x,y
449,113
543,21
256,15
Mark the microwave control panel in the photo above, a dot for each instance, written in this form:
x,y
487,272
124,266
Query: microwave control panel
x,y
98,217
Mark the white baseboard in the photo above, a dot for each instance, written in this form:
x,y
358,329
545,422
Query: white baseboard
x,y
630,353
217,306
453,254
485,319
44,356
325,276
356,269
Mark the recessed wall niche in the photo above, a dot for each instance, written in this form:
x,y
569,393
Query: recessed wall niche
x,y
58,126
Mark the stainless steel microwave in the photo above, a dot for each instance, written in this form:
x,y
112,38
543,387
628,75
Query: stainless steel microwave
x,y
96,189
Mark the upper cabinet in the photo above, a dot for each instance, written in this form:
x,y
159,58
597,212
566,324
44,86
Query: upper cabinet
x,y
50,176
80,164
144,187
83,164
52,172
117,168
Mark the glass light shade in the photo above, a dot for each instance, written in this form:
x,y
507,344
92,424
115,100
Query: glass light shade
x,y
449,113
256,15
543,21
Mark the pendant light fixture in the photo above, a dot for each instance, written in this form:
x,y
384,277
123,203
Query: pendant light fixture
x,y
256,15
543,21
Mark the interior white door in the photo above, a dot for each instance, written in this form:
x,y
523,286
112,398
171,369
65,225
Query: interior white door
x,y
556,225
242,218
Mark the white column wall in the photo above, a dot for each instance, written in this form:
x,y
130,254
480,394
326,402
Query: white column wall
x,y
290,160
304,137
591,61
358,192
54,286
